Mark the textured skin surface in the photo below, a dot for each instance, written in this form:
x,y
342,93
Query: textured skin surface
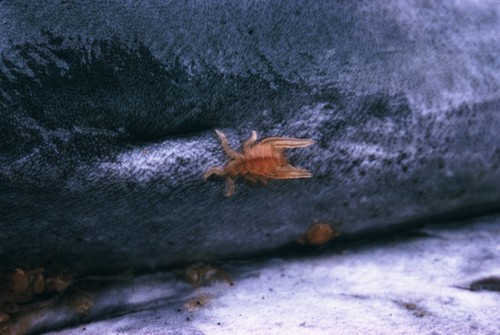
x,y
406,284
107,116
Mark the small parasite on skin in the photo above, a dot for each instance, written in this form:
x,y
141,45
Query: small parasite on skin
x,y
200,274
23,292
259,161
81,302
318,234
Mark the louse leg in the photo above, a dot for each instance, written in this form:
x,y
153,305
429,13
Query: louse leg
x,y
256,178
229,186
251,140
290,172
262,179
225,145
250,178
214,171
287,142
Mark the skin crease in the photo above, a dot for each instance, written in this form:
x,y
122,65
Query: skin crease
x,y
259,161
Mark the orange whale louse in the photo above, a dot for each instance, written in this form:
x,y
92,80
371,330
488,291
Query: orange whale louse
x,y
259,161
318,234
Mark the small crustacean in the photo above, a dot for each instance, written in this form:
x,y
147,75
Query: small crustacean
x,y
318,234
259,161
200,274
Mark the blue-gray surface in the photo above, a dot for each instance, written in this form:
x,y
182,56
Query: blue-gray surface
x,y
108,109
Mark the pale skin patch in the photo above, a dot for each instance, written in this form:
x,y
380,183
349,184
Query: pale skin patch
x,y
259,161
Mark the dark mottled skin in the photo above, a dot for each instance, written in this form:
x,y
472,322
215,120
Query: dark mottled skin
x,y
108,110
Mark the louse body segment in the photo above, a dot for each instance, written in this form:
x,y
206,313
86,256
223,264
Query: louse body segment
x,y
259,161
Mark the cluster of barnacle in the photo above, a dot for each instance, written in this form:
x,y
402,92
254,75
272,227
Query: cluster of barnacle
x,y
25,292
22,290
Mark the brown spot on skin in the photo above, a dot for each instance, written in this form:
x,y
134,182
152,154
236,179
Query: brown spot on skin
x,y
318,234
